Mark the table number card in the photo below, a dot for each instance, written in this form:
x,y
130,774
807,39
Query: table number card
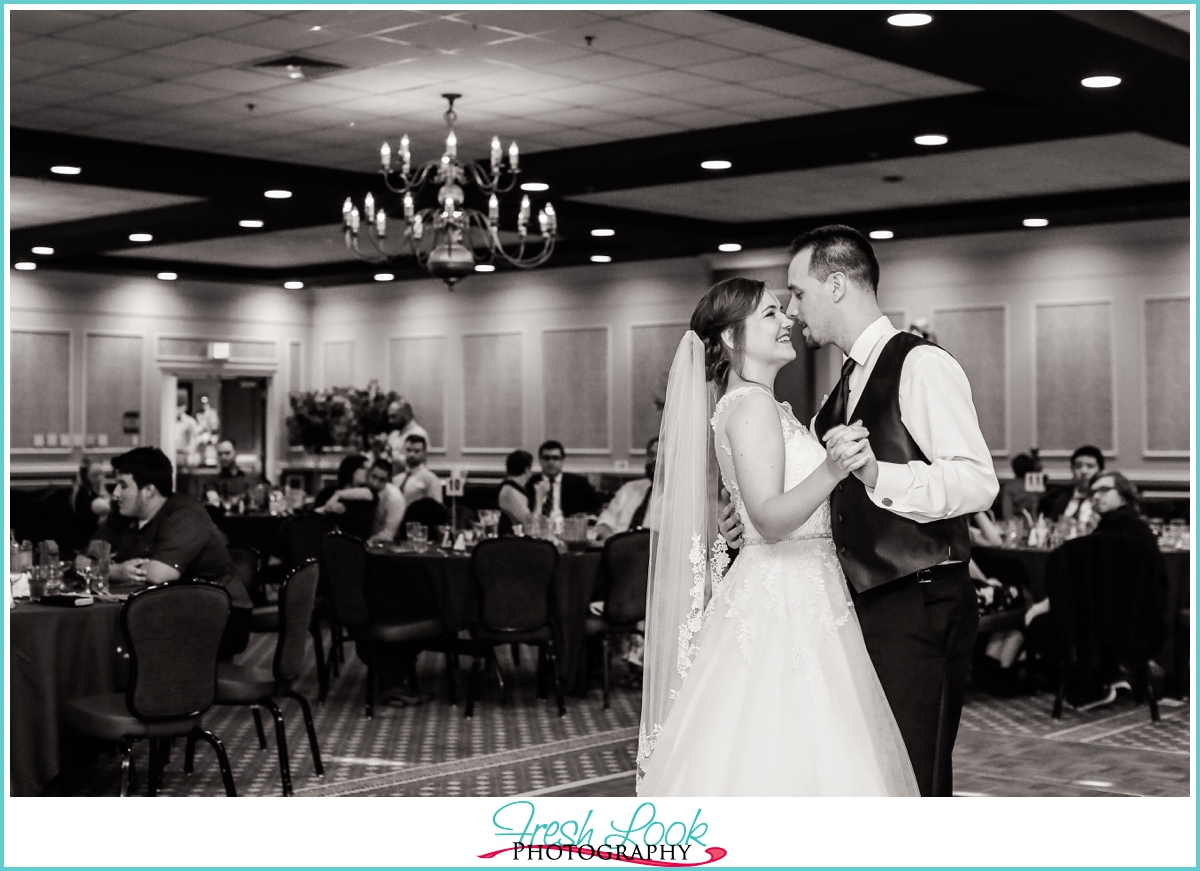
x,y
1035,482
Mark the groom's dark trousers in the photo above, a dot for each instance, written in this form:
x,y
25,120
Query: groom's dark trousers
x,y
912,590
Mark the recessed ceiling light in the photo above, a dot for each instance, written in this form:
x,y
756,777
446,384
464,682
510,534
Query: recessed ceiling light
x,y
293,285
315,27
42,249
931,139
484,267
167,276
601,258
729,246
1101,81
534,186
277,195
140,237
910,19
66,170
384,276
25,265
716,164
1036,222
252,225
881,234
604,232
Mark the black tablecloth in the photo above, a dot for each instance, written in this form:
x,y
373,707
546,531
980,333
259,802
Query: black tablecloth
x,y
56,654
423,585
259,531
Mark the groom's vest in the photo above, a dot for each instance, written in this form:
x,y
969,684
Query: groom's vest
x,y
874,545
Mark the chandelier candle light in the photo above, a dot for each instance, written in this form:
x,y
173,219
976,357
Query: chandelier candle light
x,y
444,238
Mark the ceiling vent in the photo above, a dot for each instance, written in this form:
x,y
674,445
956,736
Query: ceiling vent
x,y
294,66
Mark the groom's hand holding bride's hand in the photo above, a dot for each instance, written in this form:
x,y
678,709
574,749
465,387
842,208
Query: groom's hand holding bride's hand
x,y
729,521
849,451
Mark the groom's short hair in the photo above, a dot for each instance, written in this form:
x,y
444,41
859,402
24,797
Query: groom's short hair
x,y
838,248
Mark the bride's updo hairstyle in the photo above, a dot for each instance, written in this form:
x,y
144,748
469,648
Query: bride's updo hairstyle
x,y
727,304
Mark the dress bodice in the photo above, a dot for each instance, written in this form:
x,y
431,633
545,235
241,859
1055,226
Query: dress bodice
x,y
803,453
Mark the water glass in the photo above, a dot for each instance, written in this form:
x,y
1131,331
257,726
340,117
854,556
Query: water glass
x,y
417,532
37,582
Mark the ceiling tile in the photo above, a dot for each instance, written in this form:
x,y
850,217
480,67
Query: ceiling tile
x,y
323,116
932,86
608,35
638,128
90,81
753,39
664,82
118,105
310,94
681,22
43,95
854,97
803,84
284,34
878,72
124,34
59,118
174,94
516,81
589,95
383,80
446,33
572,138
62,51
530,51
699,119
678,53
725,96
524,106
652,107
47,21
264,106
747,69
816,56
35,202
270,250
531,20
237,81
598,68
581,117
790,108
360,52
216,51
22,69
195,20
133,129
153,66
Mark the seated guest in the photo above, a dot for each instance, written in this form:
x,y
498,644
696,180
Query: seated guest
x,y
402,424
349,503
160,536
554,491
514,505
90,502
1116,500
1076,503
630,508
231,481
1014,498
389,503
416,481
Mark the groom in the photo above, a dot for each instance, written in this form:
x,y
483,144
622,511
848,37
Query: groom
x,y
900,522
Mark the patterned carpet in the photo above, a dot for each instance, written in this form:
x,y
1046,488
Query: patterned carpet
x,y
1006,746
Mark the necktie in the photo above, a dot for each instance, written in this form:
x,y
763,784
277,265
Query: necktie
x,y
548,505
844,388
639,516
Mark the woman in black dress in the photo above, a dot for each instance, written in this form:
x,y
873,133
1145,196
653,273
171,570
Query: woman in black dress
x,y
514,504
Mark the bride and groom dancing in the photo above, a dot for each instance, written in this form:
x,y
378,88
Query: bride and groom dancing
x,y
831,657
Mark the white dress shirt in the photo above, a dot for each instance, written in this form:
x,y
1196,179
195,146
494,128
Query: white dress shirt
x,y
936,409
619,512
419,483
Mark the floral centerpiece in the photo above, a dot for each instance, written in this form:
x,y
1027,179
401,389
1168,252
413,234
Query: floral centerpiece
x,y
339,417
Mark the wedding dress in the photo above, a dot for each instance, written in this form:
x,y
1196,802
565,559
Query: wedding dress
x,y
780,697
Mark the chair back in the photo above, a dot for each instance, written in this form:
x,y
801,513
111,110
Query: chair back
x,y
174,632
428,511
344,565
246,564
626,567
296,599
513,578
301,538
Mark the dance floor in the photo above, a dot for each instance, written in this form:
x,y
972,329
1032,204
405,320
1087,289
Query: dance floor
x,y
1006,747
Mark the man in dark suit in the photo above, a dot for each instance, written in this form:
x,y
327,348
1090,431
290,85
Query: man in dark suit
x,y
1067,502
555,491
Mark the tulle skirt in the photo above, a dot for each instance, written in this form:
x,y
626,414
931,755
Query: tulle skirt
x,y
782,698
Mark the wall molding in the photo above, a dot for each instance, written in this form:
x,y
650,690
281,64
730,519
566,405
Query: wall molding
x,y
608,389
387,363
1147,451
1007,449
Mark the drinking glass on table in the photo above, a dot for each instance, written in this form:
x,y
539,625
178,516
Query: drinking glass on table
x,y
418,533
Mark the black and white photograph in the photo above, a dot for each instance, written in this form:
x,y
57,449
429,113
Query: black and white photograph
x,y
599,402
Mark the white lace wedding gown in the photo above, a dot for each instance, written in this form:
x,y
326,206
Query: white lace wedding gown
x,y
781,698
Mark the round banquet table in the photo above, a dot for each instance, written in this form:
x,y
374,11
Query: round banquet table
x,y
259,531
1027,566
437,584
56,654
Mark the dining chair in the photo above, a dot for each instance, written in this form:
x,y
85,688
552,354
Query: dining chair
x,y
173,633
301,540
344,560
259,687
624,569
513,582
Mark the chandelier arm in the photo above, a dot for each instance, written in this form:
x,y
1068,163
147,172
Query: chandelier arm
x,y
409,184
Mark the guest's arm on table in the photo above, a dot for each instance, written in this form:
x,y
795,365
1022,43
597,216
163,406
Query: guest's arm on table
x,y
180,541
985,533
619,511
936,409
515,506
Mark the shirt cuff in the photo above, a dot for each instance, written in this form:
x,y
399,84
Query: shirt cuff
x,y
893,483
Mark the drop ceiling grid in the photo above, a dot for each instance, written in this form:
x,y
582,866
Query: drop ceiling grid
x,y
646,73
34,202
1088,163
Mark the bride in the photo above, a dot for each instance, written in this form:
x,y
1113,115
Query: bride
x,y
767,689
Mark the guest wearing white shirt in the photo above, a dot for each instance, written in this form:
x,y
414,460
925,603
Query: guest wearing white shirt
x,y
630,507
403,424
1086,463
417,481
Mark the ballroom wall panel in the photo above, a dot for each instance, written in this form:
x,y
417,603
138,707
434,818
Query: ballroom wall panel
x,y
40,398
337,364
492,392
1168,376
652,350
417,371
1074,376
978,339
112,386
575,388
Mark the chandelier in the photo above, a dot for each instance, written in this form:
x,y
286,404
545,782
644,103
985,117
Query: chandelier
x,y
445,237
